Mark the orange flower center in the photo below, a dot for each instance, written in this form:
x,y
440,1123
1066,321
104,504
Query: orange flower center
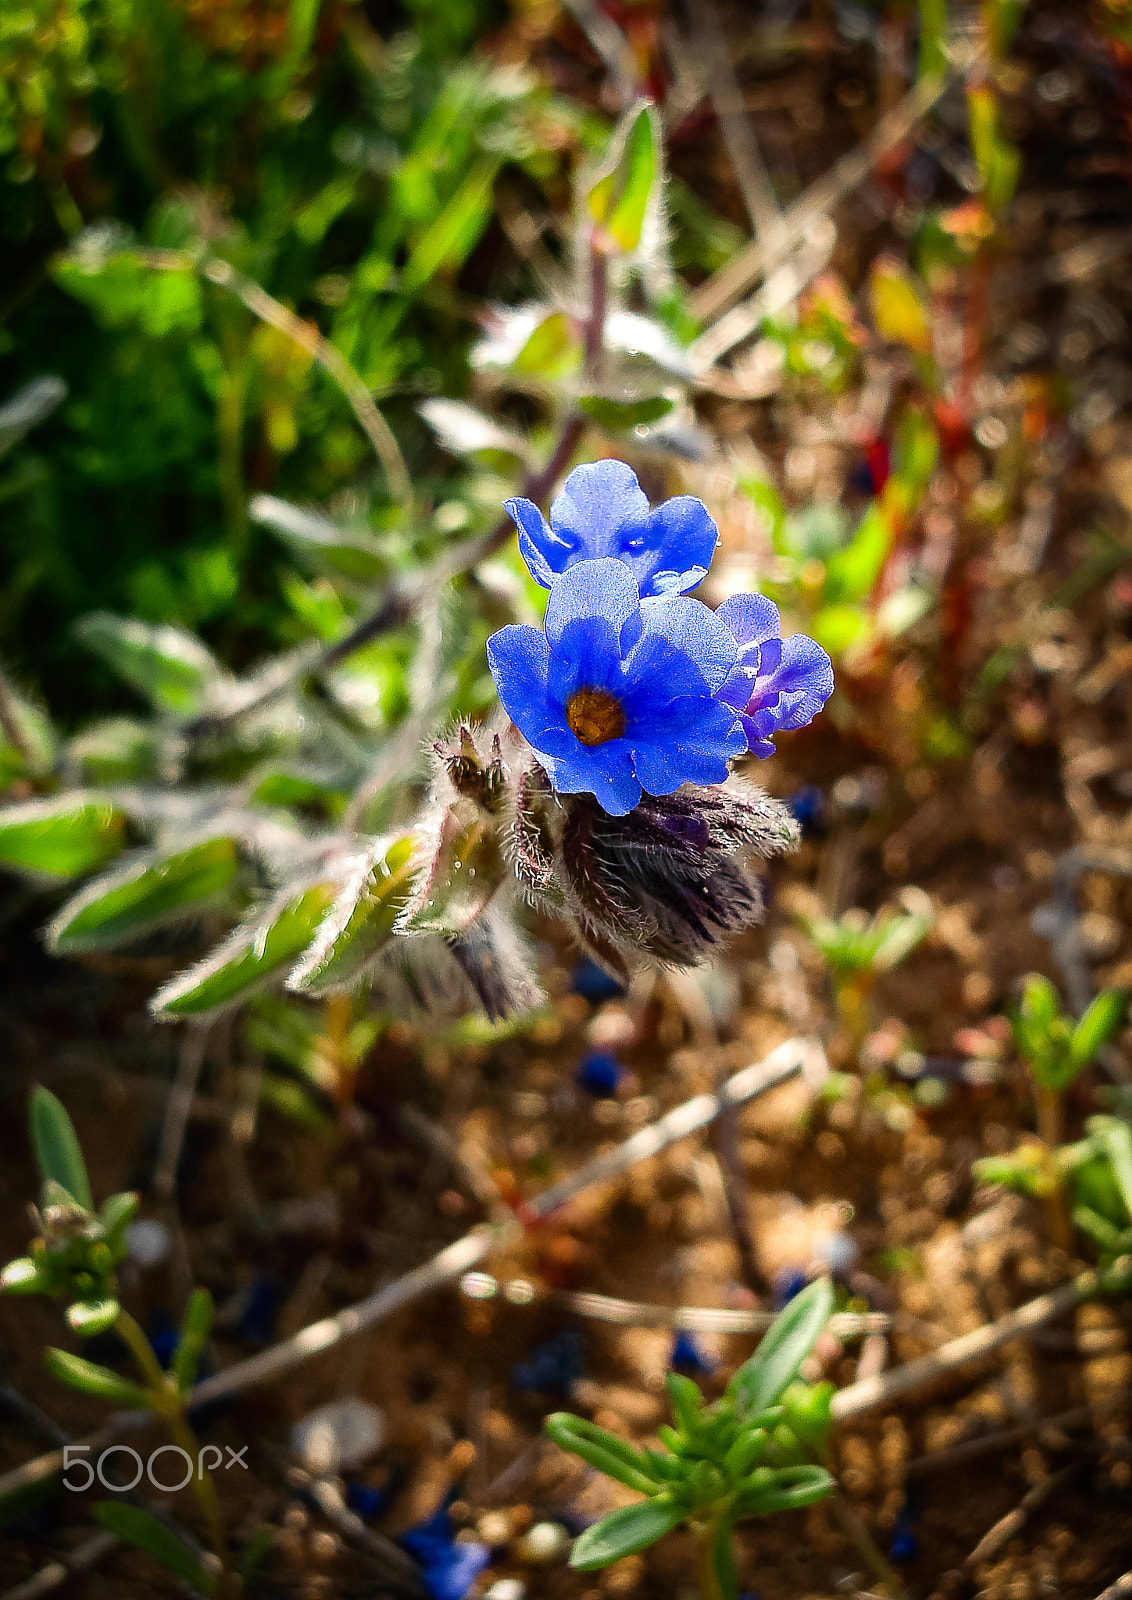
x,y
595,716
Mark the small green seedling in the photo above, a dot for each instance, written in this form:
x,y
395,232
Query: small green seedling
x,y
751,1453
74,1258
1056,1048
1095,1173
857,947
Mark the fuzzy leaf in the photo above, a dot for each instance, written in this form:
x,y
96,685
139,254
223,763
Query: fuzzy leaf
x,y
141,1529
623,1533
63,836
145,895
615,414
785,1345
620,200
898,307
90,1378
56,1145
256,953
172,668
359,923
351,553
463,430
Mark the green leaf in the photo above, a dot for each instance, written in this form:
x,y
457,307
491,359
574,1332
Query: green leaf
x,y
687,1402
144,1532
623,1533
24,1276
899,309
122,289
553,350
602,1449
792,1488
256,1551
255,954
463,430
723,1560
933,38
1115,1139
360,923
787,1342
90,1378
195,1329
56,1146
448,240
351,553
88,1317
145,895
620,201
116,1215
63,836
624,413
851,573
32,753
1101,1022
897,937
171,667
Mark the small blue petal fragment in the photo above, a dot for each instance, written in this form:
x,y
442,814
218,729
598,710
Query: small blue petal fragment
x,y
904,1546
593,983
449,1568
365,1500
553,1367
788,1282
807,807
599,1074
687,1356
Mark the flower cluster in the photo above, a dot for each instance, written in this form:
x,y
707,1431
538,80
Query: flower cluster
x,y
632,688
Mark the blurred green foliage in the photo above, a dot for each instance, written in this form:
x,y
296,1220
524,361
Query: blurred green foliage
x,y
348,171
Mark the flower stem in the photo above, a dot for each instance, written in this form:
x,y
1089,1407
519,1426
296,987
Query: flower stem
x,y
706,1572
1051,1127
168,1404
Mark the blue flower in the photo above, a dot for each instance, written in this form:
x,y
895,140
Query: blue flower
x,y
448,1566
778,684
602,511
618,696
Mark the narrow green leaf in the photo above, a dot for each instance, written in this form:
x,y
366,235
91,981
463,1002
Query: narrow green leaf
x,y
1115,1138
256,1551
90,1378
63,836
145,895
620,201
255,954
172,668
88,1317
785,1345
24,1276
360,922
623,1533
448,239
687,1401
195,1330
56,1146
351,553
793,1488
116,1215
1101,1022
602,1449
139,1528
463,867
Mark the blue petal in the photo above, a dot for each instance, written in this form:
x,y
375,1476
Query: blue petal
x,y
752,618
696,633
601,507
519,658
591,589
681,538
691,744
544,553
603,770
802,680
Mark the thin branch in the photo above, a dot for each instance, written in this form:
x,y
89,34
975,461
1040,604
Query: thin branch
x,y
731,282
687,1319
330,358
55,1574
970,1347
178,1109
734,120
398,1570
611,45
